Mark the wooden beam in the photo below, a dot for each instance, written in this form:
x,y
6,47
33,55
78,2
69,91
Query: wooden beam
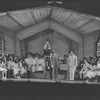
x,y
8,15
84,24
6,31
66,31
38,35
29,31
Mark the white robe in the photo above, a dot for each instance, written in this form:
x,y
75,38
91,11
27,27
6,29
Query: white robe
x,y
33,66
29,62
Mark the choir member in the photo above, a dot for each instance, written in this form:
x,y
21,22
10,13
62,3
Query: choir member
x,y
22,68
33,64
84,69
16,69
3,69
98,67
29,63
41,64
10,65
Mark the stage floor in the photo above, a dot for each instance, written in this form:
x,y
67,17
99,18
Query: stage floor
x,y
49,81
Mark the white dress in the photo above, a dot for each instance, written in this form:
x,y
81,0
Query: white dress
x,y
15,69
91,73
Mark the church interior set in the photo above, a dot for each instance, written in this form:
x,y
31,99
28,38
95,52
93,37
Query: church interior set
x,y
31,40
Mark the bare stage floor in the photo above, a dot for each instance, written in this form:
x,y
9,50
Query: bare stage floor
x,y
49,81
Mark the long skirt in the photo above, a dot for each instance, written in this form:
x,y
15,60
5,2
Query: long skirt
x,y
90,74
16,71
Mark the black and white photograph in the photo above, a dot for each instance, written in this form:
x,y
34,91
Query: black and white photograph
x,y
49,50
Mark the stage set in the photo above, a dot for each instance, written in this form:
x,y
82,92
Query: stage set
x,y
35,45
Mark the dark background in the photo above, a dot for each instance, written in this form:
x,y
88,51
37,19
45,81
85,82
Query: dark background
x,y
83,6
48,91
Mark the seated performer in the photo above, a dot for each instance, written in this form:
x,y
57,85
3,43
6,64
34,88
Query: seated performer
x,y
22,69
92,70
16,69
78,69
10,65
33,64
47,48
29,63
84,69
3,69
98,67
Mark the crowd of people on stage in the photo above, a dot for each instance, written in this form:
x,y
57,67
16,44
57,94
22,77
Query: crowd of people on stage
x,y
89,68
13,66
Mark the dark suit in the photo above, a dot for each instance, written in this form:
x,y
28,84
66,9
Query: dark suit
x,y
54,64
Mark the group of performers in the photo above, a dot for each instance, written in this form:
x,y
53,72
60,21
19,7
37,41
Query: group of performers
x,y
12,66
90,68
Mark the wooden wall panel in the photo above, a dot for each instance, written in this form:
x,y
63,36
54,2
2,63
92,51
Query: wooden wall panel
x,y
59,44
9,43
75,48
90,43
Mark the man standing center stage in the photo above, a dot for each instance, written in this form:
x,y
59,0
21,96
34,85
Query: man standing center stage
x,y
72,64
54,58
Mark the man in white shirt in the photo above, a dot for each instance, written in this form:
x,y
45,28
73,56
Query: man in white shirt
x,y
72,63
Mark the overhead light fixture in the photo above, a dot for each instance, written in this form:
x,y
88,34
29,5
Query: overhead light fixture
x,y
51,2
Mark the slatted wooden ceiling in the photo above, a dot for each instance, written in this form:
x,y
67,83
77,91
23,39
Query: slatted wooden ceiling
x,y
17,20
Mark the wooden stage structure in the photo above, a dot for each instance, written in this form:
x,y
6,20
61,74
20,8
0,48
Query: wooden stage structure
x,y
49,81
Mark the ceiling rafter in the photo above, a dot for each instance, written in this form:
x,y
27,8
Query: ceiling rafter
x,y
30,26
66,31
84,24
14,20
68,27
66,17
